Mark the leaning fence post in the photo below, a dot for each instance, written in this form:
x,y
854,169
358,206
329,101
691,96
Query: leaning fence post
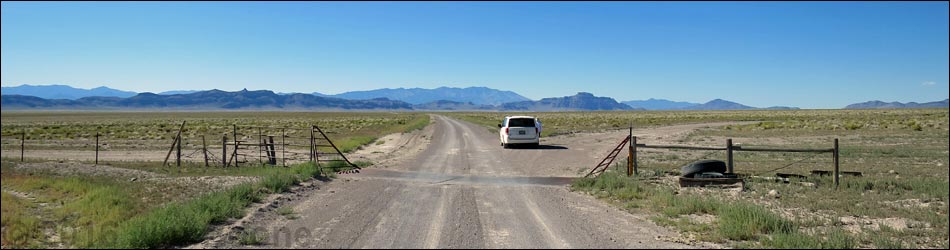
x,y
729,155
836,155
177,140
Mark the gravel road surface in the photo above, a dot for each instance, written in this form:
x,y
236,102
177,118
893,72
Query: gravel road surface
x,y
461,191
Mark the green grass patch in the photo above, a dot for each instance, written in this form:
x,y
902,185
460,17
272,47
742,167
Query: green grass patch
x,y
187,222
744,221
182,223
251,237
740,221
287,212
835,239
92,207
108,213
22,227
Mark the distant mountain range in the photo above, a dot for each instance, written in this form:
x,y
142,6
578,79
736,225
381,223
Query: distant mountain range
x,y
659,104
179,92
268,100
206,100
63,92
898,105
443,98
717,104
475,95
454,106
580,101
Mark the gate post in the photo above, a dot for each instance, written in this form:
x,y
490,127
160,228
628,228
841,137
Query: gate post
x,y
729,155
836,155
633,155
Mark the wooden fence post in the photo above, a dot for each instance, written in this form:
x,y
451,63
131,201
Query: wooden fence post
x,y
633,152
260,147
271,151
204,149
177,140
630,152
97,147
316,150
224,150
22,144
178,151
311,143
729,155
283,148
235,155
836,155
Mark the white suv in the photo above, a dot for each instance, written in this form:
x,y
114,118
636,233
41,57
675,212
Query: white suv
x,y
520,130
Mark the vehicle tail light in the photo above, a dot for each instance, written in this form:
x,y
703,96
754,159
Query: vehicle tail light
x,y
536,131
506,131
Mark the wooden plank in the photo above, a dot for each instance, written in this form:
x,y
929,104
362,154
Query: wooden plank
x,y
679,147
702,182
784,150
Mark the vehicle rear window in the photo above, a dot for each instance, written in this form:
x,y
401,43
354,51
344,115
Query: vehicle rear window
x,y
521,122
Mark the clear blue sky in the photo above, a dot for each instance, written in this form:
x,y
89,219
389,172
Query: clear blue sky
x,y
805,54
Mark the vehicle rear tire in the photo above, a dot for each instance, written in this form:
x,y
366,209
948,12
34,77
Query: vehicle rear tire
x,y
505,145
703,167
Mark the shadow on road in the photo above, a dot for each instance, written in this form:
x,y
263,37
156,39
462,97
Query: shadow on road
x,y
539,147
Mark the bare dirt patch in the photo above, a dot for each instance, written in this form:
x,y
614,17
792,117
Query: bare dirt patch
x,y
392,149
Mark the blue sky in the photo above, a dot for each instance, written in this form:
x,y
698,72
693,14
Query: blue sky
x,y
805,54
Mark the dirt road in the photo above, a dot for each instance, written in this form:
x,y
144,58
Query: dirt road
x,y
462,191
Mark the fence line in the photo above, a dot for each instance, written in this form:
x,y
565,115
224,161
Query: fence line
x,y
730,148
290,145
